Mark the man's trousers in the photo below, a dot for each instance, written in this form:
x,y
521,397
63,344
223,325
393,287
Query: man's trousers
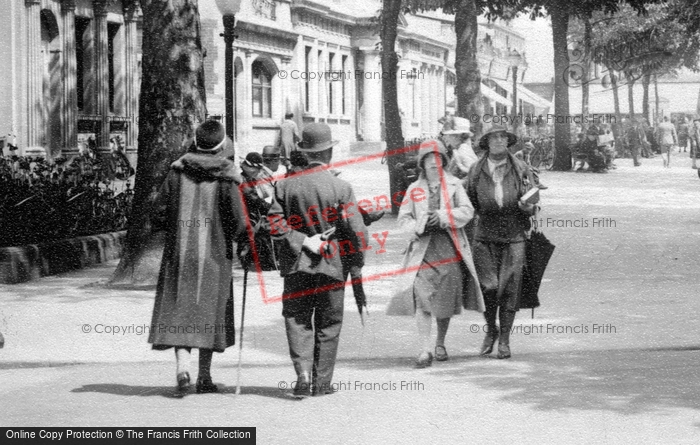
x,y
313,324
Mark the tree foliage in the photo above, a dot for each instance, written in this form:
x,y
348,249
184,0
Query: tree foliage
x,y
636,46
560,13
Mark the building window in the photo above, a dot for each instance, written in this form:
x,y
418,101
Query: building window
x,y
330,82
262,91
344,62
307,85
81,62
112,30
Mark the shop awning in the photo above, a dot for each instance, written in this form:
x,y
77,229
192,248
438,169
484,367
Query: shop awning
x,y
524,94
494,96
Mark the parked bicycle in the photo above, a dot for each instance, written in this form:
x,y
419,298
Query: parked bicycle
x,y
542,155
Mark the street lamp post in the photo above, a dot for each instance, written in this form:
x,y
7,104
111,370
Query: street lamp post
x,y
515,59
228,9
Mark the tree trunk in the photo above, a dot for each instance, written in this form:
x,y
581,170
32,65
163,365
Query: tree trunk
x,y
630,96
392,117
469,101
657,118
616,96
560,24
617,133
585,78
645,98
171,105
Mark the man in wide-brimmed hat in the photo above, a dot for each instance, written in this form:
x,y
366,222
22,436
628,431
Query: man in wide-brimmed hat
x,y
495,185
458,140
305,206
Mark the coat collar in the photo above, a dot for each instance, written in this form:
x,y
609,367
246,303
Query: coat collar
x,y
207,167
451,182
519,166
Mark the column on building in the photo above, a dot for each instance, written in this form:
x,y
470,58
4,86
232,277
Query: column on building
x,y
350,85
131,75
336,82
69,104
246,123
434,101
372,97
417,101
314,84
34,79
405,89
320,67
286,89
442,106
299,67
424,81
102,72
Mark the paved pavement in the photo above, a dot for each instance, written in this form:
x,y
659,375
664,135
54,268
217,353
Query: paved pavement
x,y
612,356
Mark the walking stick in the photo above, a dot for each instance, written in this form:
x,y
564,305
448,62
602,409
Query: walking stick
x,y
240,341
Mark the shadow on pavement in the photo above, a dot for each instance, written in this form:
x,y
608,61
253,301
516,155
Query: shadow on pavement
x,y
624,381
30,365
171,393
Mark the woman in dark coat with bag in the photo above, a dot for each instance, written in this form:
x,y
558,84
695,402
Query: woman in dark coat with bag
x,y
202,212
440,275
495,185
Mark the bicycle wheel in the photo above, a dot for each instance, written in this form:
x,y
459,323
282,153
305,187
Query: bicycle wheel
x,y
548,160
536,157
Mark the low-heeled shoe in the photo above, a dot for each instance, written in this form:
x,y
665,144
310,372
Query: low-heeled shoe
x,y
424,360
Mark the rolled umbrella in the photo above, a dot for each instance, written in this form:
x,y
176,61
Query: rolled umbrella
x,y
358,291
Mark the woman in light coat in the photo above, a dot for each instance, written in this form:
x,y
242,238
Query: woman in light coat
x,y
440,273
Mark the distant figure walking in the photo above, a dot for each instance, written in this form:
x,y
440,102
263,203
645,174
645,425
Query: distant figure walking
x,y
289,136
695,142
666,137
683,134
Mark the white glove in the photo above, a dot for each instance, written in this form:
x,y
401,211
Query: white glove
x,y
313,244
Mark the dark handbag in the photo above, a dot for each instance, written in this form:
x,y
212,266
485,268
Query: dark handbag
x,y
538,251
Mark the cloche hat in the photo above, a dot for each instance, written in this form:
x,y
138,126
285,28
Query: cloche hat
x,y
209,136
484,140
460,125
431,146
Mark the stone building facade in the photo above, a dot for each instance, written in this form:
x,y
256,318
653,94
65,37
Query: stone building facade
x,y
71,73
321,61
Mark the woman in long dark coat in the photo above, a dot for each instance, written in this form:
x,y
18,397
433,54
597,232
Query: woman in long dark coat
x,y
202,213
495,185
